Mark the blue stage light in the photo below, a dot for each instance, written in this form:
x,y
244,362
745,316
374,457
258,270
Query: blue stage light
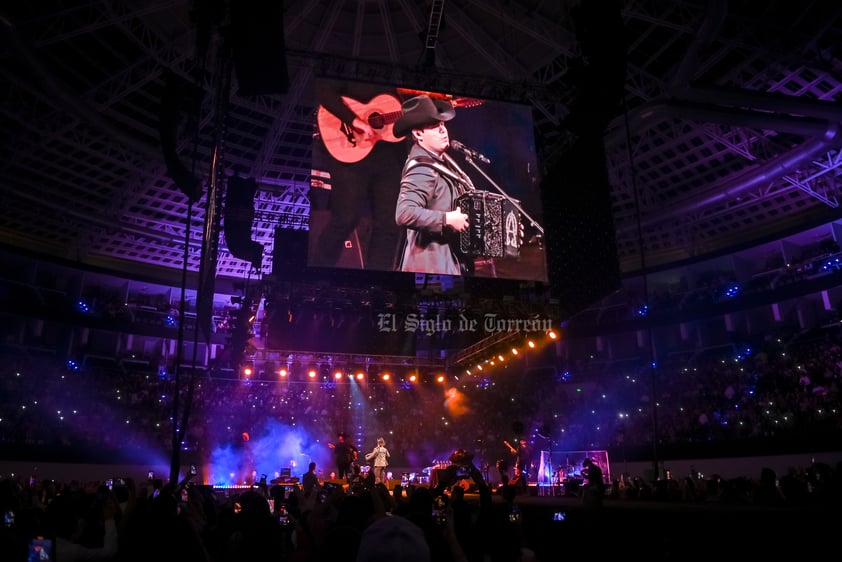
x,y
733,290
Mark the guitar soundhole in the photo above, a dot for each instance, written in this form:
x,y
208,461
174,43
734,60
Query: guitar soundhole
x,y
376,121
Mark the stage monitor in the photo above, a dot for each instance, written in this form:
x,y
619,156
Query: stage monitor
x,y
378,202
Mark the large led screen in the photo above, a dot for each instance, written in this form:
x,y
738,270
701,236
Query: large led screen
x,y
424,182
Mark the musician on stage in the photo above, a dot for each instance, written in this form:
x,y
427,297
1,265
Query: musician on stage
x,y
364,161
521,464
345,455
380,456
430,183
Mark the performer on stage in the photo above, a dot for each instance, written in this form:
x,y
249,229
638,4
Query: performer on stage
x,y
344,454
521,463
430,183
503,469
380,454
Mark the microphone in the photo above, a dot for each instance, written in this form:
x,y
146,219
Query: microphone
x,y
476,155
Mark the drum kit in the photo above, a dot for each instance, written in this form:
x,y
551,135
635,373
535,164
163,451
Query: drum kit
x,y
566,473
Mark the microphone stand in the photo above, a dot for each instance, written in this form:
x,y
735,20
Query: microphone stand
x,y
517,206
484,463
553,475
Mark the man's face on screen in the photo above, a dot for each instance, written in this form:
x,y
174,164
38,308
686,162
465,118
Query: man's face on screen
x,y
434,138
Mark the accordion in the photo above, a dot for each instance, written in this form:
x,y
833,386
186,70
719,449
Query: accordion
x,y
493,226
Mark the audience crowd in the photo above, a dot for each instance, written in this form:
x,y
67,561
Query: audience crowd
x,y
782,391
186,522
129,521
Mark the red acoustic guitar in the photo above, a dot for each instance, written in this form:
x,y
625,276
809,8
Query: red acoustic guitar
x,y
347,145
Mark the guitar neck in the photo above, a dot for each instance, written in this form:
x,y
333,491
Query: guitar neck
x,y
379,120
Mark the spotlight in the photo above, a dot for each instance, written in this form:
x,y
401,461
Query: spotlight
x,y
282,373
515,351
733,290
833,263
531,344
311,373
552,335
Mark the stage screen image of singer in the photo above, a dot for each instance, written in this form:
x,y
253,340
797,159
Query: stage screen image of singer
x,y
379,196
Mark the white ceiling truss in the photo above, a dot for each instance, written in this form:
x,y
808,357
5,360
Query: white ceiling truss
x,y
731,132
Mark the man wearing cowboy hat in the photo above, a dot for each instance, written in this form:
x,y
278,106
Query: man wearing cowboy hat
x,y
430,184
345,454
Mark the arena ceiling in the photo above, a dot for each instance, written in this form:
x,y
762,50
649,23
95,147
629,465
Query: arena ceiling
x,y
727,132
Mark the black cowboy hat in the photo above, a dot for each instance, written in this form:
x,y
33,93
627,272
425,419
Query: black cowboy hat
x,y
422,111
